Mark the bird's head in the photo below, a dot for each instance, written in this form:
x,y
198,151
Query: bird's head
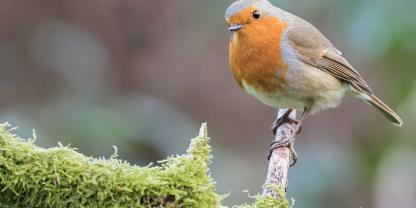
x,y
246,14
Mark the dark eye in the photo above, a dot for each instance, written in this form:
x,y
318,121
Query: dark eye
x,y
256,14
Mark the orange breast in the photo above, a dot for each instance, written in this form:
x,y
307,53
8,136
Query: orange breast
x,y
255,55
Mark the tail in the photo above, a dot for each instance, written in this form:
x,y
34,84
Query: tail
x,y
383,108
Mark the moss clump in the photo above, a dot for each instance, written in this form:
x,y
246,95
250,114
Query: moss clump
x,y
60,177
267,201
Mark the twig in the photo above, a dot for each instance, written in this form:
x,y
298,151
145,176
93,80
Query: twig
x,y
277,175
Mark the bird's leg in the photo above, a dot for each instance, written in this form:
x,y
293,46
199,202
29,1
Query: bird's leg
x,y
290,141
281,120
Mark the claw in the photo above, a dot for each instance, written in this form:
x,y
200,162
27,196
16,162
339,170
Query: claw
x,y
288,143
293,155
282,120
300,129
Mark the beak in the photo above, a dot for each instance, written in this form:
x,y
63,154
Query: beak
x,y
235,27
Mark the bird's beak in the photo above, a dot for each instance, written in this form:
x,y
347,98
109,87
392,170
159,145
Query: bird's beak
x,y
235,27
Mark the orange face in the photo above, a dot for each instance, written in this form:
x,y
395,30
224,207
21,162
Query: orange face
x,y
243,17
255,53
253,20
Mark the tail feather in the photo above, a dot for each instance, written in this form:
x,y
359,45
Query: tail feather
x,y
383,108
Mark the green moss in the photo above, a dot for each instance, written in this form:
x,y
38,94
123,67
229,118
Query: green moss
x,y
269,201
60,177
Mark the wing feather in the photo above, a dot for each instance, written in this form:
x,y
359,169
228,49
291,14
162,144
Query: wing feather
x,y
314,49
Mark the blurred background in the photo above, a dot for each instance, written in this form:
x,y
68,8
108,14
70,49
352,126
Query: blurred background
x,y
142,75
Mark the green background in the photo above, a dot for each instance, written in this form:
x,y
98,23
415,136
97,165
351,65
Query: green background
x,y
142,75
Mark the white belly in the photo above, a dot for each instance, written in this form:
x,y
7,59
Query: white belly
x,y
276,100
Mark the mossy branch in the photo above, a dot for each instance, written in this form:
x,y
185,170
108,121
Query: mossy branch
x,y
61,177
278,172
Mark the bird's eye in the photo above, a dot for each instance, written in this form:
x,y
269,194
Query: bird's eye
x,y
256,14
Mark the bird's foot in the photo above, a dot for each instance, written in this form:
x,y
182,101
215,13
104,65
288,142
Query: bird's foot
x,y
289,143
282,120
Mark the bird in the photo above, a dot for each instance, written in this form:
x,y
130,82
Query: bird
x,y
287,63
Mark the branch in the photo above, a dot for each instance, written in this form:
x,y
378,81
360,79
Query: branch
x,y
277,175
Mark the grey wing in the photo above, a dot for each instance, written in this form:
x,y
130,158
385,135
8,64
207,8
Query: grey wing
x,y
315,49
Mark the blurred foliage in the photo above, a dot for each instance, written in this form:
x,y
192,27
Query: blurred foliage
x,y
142,75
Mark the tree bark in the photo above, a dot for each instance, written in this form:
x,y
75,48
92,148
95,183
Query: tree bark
x,y
277,175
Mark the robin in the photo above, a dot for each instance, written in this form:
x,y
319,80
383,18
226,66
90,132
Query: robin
x,y
285,62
